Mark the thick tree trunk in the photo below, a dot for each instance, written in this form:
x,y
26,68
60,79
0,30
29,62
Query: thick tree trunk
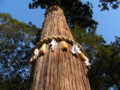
x,y
58,70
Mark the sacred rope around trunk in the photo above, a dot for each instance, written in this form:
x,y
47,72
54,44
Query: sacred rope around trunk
x,y
77,48
57,38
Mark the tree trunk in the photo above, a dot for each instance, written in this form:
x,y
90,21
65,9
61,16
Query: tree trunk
x,y
58,70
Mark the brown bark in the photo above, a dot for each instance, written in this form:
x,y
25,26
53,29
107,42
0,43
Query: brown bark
x,y
58,70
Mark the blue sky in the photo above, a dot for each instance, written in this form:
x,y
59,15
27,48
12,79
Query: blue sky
x,y
108,20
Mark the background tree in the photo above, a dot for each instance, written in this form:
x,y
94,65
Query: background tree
x,y
105,4
16,42
104,72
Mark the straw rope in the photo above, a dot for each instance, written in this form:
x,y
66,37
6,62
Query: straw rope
x,y
57,38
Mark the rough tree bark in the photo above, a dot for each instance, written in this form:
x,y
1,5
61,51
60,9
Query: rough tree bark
x,y
58,70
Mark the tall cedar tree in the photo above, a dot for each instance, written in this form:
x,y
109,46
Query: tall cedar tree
x,y
58,70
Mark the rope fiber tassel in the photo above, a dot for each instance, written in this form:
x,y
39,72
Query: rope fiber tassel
x,y
32,60
64,45
43,49
86,60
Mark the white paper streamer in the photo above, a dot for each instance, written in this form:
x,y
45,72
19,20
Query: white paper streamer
x,y
73,50
36,52
35,56
77,49
87,62
53,44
